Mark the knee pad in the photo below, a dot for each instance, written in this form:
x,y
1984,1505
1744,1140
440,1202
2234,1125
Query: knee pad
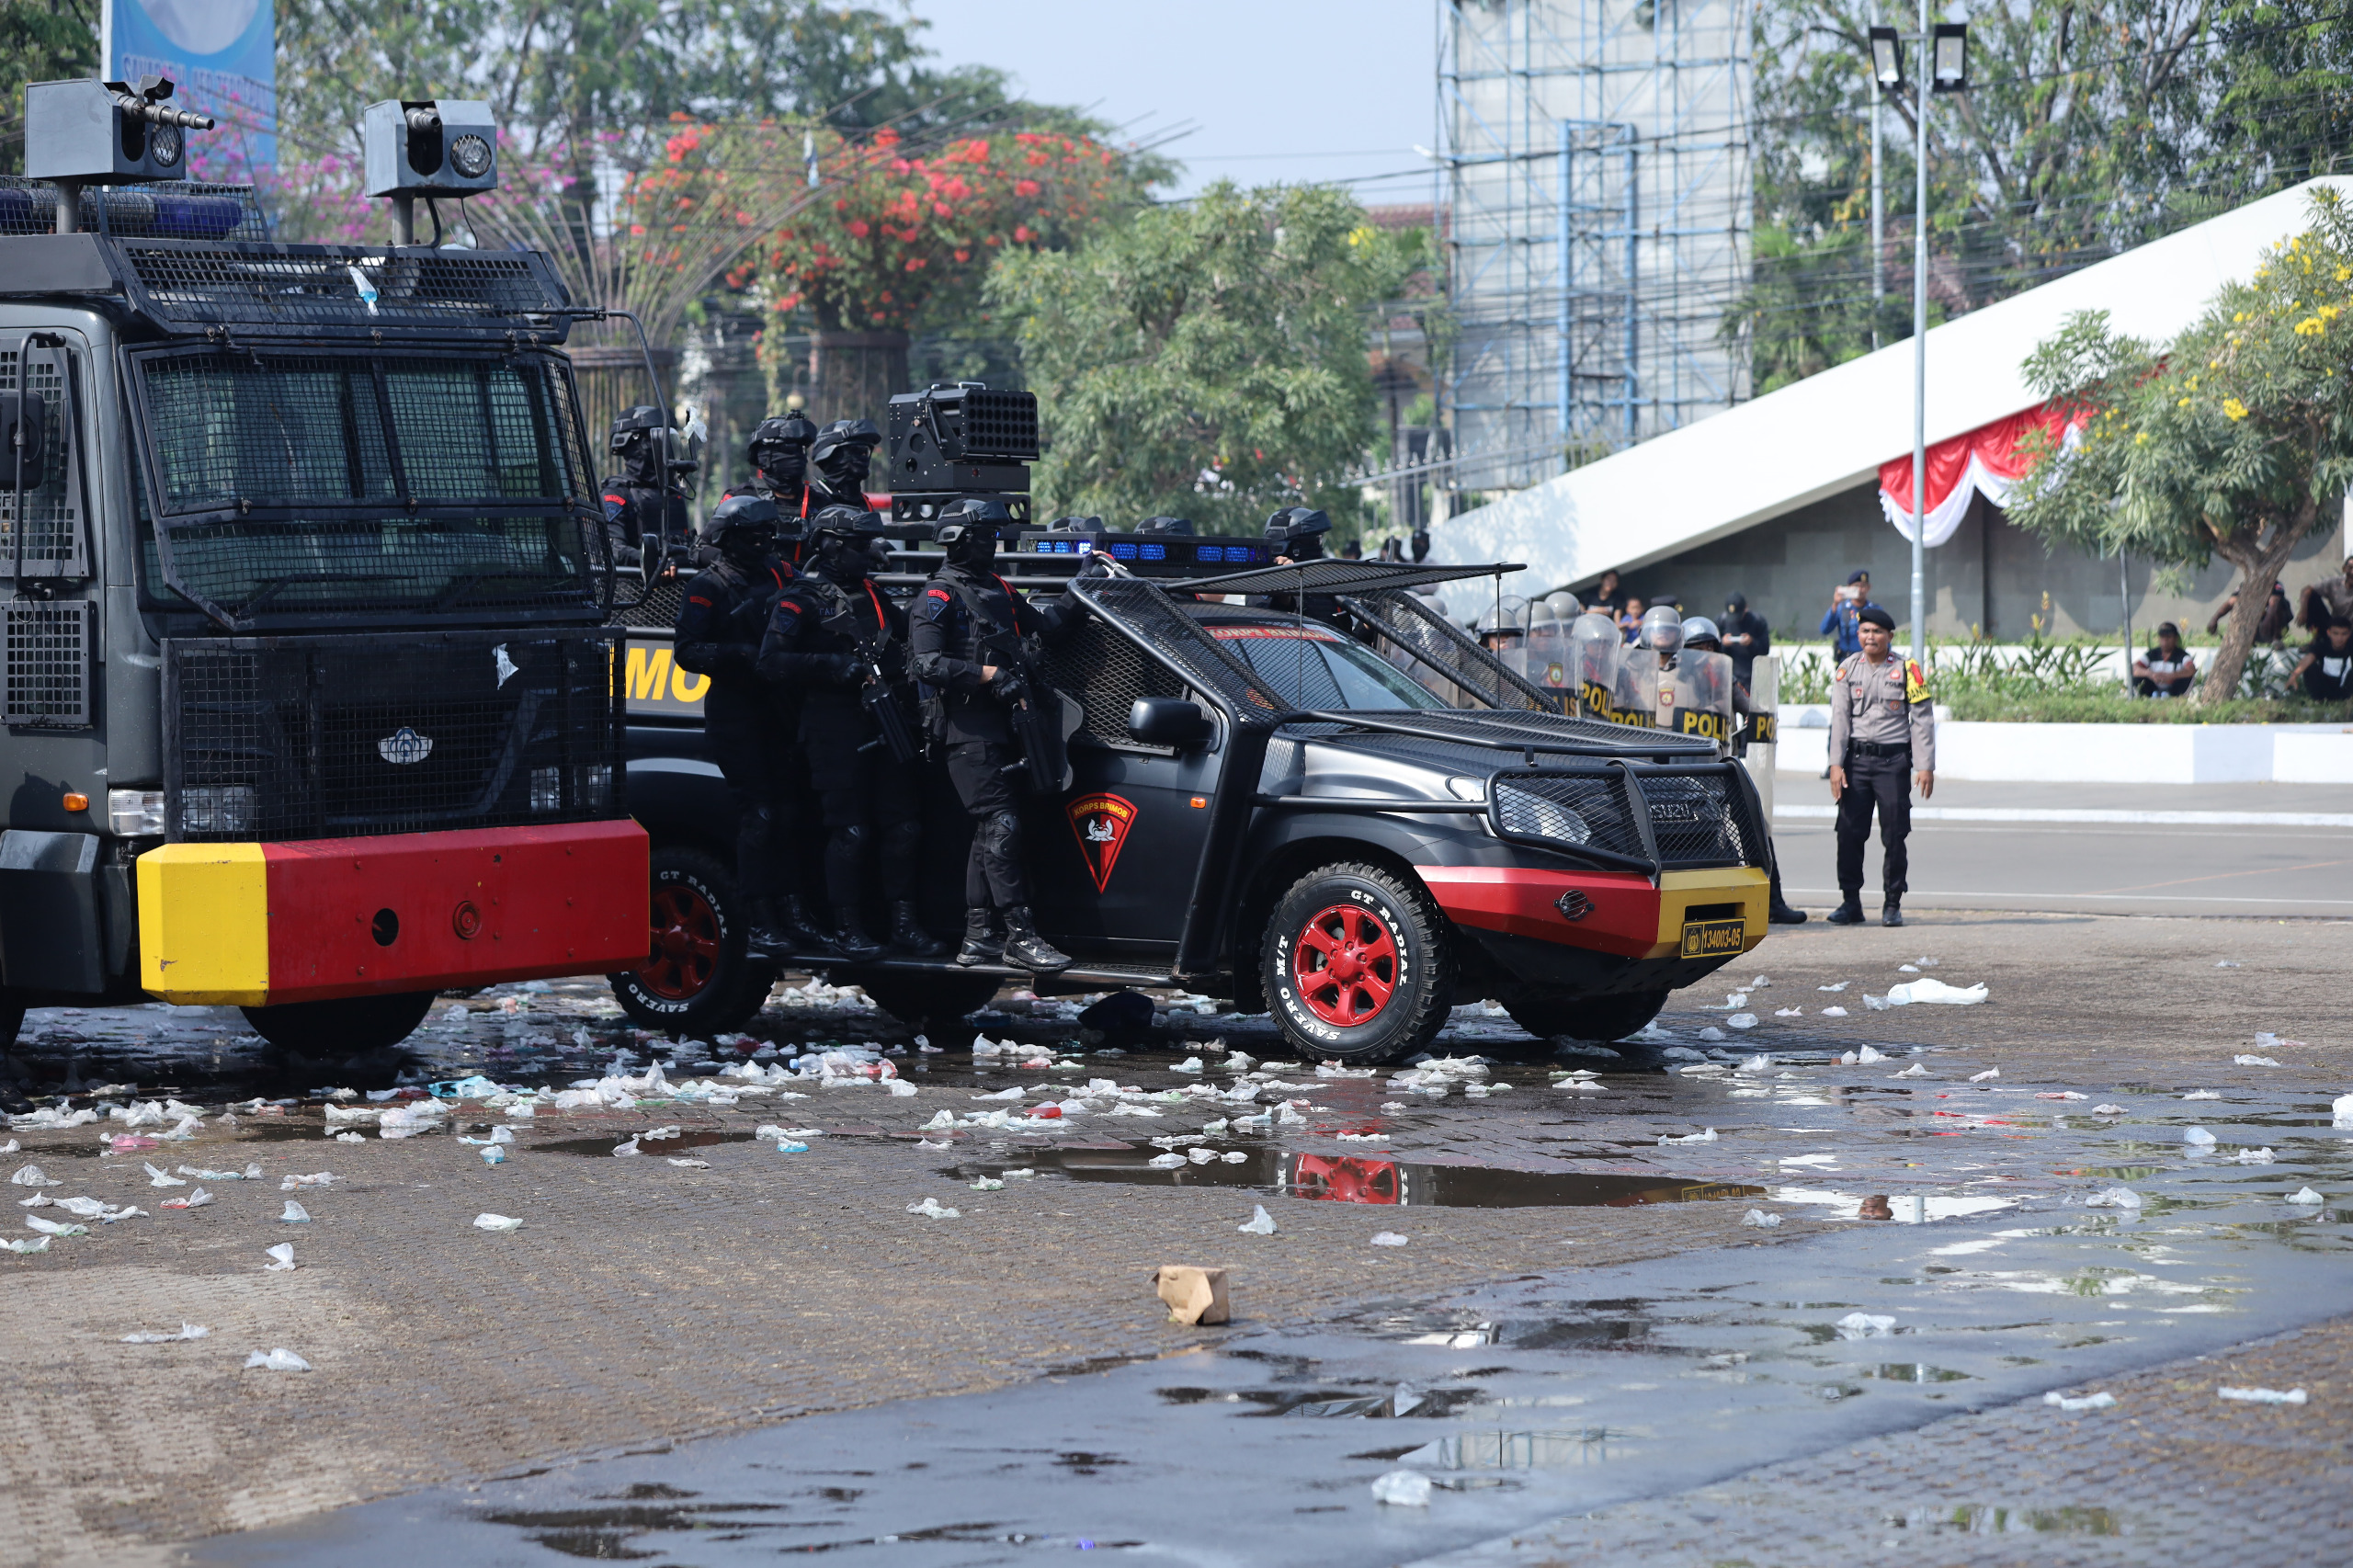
x,y
852,837
758,823
1000,834
901,835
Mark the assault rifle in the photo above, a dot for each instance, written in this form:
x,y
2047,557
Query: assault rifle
x,y
879,698
1036,709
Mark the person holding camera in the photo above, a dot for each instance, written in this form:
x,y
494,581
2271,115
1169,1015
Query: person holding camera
x,y
1842,622
965,613
1882,724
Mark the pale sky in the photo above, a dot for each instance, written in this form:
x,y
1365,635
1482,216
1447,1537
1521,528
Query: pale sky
x,y
1279,90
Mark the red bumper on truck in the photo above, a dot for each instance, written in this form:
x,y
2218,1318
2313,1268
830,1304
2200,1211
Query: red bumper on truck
x,y
1693,914
254,924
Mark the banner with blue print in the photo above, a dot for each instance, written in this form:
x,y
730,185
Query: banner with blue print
x,y
224,55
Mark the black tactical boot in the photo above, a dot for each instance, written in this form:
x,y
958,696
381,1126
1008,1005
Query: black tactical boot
x,y
802,934
1849,913
763,938
1779,912
908,935
1892,912
983,942
1024,946
853,941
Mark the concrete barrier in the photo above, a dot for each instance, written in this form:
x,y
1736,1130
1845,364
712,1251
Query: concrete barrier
x,y
2107,753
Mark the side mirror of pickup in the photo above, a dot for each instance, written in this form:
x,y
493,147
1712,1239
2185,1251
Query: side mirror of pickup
x,y
24,440
1167,722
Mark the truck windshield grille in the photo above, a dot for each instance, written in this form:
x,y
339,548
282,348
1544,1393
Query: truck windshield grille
x,y
286,483
276,738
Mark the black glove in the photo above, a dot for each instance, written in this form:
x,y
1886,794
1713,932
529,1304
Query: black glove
x,y
1010,689
847,670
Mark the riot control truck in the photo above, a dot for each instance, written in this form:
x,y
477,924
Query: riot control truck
x,y
308,698
1350,821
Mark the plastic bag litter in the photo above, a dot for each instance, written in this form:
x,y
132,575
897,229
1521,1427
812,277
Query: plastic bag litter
x,y
1168,1161
930,1210
10,1147
2201,1095
1389,1239
33,1176
281,1259
1864,1326
1989,1073
1907,969
1866,1056
196,1199
789,1147
2265,1396
496,1222
2255,1157
51,1227
2245,1061
187,1331
279,1359
2113,1197
348,1138
1840,986
2197,1137
988,1184
1201,1156
1788,1012
1742,1020
1876,1004
1711,1032
2266,1040
1760,1220
900,1088
2089,1402
2305,1194
1403,1489
626,1148
50,1116
1707,1137
409,1121
22,1247
1917,1070
295,1214
476,1088
159,1177
1012,1094
2342,1107
96,1209
1190,1065
251,1173
1933,990
1833,1012
1260,1222
690,1164
2228,964
2108,1110
497,1135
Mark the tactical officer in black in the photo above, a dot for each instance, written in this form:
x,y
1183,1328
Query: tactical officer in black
x,y
723,612
778,453
840,458
834,640
641,499
964,602
1297,535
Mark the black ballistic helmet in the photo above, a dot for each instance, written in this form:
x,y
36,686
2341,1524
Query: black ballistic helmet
x,y
779,439
843,450
969,527
845,522
1300,531
740,523
632,425
1181,526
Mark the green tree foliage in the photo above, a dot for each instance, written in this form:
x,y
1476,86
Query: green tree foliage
x,y
2235,440
40,41
1207,361
2090,126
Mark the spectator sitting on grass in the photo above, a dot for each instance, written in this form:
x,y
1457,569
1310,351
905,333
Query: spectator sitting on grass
x,y
2329,600
2273,625
2326,670
1630,620
2165,670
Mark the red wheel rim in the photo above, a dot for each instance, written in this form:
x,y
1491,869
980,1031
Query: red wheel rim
x,y
1345,964
686,944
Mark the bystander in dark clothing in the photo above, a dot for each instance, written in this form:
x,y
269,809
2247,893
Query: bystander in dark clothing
x,y
1746,637
1609,596
2166,670
1844,615
2326,670
2272,626
2330,599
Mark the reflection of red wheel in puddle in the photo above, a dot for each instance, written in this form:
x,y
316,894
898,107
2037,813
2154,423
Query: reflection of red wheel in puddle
x,y
686,942
1346,965
1344,1178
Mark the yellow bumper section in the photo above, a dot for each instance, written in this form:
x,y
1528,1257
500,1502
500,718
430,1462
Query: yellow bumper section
x,y
1696,910
204,923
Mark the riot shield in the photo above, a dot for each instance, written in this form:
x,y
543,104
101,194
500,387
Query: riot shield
x,y
1548,658
1696,696
1608,688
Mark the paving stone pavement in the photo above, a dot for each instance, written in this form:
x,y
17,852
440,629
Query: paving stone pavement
x,y
2172,1473
644,1303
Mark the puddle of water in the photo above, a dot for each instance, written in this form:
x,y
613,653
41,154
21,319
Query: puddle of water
x,y
604,1143
1357,1178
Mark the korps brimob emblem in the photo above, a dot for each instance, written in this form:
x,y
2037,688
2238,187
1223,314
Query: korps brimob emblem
x,y
404,747
1101,822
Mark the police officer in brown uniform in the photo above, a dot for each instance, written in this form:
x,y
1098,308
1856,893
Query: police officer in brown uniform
x,y
1881,726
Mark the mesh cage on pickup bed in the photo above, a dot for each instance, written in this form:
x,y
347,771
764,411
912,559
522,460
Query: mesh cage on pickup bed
x,y
276,738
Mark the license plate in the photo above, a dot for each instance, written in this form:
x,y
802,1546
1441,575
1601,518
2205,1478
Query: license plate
x,y
1712,938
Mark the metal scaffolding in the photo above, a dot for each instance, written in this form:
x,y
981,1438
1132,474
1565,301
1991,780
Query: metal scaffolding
x,y
1593,166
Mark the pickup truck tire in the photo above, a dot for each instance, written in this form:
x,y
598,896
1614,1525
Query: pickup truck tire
x,y
345,1027
922,1001
1358,965
696,978
1545,1011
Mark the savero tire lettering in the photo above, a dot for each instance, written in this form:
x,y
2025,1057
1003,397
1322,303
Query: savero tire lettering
x,y
404,747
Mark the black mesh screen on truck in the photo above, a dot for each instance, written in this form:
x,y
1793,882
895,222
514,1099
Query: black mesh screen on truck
x,y
291,482
55,543
276,738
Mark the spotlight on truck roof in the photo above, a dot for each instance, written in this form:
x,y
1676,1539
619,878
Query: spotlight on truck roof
x,y
90,132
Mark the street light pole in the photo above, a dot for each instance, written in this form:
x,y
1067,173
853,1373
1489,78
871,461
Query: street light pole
x,y
1920,96
1879,216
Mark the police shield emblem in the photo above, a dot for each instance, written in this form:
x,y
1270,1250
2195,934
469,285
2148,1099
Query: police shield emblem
x,y
1101,824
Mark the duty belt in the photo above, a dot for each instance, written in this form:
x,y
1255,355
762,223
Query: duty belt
x,y
1879,748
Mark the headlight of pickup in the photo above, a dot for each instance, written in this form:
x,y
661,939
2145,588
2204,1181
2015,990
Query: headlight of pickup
x,y
135,813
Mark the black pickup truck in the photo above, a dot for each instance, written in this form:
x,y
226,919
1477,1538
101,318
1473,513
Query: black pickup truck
x,y
1350,822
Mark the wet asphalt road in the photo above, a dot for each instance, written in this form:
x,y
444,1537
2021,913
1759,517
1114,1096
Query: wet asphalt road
x,y
1554,1393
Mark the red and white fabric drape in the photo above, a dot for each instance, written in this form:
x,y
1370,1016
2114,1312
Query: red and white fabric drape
x,y
1987,461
